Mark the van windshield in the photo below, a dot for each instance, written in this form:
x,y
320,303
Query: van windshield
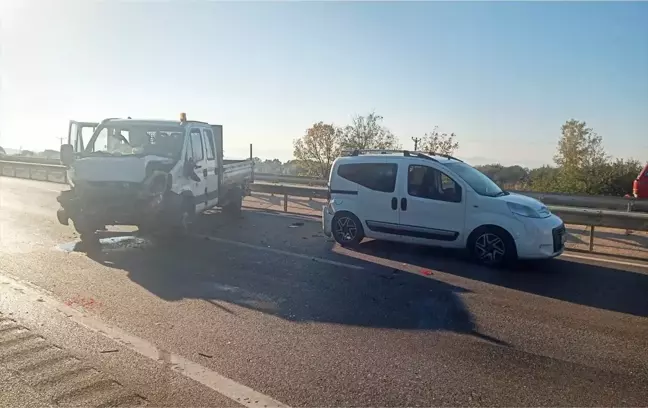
x,y
136,140
476,179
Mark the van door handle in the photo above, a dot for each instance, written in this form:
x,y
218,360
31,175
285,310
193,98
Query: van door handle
x,y
404,204
394,203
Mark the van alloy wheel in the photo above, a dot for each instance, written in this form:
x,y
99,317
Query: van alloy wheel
x,y
346,229
490,249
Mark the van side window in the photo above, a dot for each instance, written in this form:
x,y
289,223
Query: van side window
x,y
211,155
374,176
196,145
430,183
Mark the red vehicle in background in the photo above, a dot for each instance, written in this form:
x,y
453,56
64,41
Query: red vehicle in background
x,y
640,185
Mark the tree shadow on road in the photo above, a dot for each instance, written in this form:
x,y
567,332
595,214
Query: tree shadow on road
x,y
296,289
603,287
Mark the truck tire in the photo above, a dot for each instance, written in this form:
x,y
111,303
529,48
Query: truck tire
x,y
235,203
187,218
180,226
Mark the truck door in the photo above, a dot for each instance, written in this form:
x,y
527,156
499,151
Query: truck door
x,y
211,168
79,133
197,154
217,130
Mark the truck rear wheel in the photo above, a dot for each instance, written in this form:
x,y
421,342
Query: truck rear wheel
x,y
234,205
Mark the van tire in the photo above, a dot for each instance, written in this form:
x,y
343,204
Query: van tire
x,y
347,229
492,246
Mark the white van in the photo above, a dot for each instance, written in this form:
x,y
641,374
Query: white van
x,y
437,200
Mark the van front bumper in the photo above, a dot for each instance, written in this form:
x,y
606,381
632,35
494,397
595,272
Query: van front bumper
x,y
327,217
544,238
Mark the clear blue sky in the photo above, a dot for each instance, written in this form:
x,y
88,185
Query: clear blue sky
x,y
503,76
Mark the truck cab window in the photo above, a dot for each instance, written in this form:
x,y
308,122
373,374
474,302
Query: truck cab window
x,y
101,142
196,145
211,151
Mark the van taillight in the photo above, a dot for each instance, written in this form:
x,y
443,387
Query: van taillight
x,y
328,193
635,188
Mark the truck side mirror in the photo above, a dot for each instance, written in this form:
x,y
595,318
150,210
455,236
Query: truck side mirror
x,y
189,169
67,154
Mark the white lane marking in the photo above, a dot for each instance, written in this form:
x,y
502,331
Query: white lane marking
x,y
279,251
612,261
229,388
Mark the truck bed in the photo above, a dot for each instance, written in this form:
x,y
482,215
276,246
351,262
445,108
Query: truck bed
x,y
237,171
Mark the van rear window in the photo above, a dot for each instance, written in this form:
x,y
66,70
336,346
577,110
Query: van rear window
x,y
374,176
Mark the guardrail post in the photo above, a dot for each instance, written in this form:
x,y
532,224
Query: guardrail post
x,y
630,208
285,202
591,238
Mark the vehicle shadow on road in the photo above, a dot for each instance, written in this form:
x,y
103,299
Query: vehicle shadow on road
x,y
295,289
602,287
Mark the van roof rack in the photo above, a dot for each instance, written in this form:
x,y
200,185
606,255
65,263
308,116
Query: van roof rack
x,y
406,153
447,156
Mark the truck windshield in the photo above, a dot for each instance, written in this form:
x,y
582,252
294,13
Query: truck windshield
x,y
136,140
476,179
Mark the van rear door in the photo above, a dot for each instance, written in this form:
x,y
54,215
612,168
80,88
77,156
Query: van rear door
x,y
373,183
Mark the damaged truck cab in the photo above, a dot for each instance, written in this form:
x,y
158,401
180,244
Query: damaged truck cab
x,y
157,175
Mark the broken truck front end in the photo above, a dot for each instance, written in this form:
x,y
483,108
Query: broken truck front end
x,y
91,205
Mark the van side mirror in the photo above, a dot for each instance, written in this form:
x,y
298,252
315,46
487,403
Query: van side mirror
x,y
67,154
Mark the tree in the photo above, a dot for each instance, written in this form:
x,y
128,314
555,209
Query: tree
x,y
317,149
543,179
439,142
581,159
367,132
579,147
506,176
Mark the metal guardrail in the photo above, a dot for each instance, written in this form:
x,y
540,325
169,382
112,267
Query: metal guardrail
x,y
282,178
566,200
34,171
56,173
570,214
589,217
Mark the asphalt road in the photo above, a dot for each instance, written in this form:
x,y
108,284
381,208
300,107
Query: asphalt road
x,y
267,302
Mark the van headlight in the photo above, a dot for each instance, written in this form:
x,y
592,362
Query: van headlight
x,y
526,211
